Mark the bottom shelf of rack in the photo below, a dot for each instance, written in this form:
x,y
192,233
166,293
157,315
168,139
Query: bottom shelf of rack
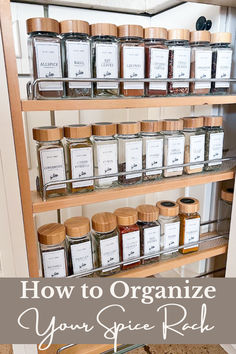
x,y
80,349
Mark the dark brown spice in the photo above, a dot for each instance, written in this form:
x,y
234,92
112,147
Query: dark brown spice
x,y
123,179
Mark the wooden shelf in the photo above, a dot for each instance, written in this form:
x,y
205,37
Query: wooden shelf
x,y
121,103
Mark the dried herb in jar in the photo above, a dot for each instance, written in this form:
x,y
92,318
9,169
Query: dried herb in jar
x,y
214,141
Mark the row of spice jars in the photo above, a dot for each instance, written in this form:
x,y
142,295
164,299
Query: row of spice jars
x,y
127,51
122,236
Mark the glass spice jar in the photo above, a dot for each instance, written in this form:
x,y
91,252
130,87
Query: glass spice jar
x,y
76,50
105,154
130,151
222,54
156,60
53,250
152,148
79,244
51,161
129,236
150,237
179,61
173,146
194,150
214,141
201,59
225,210
105,243
44,47
170,227
131,59
105,57
189,223
79,153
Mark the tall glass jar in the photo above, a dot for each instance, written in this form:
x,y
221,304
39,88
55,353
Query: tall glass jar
x,y
221,61
76,50
129,236
179,61
173,146
105,243
170,227
201,59
105,154
51,160
225,210
194,150
44,47
131,59
214,141
105,57
152,148
156,60
130,151
53,250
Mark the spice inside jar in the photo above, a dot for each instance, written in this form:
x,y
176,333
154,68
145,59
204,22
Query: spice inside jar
x,y
225,210
214,141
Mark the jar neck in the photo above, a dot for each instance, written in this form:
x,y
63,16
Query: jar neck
x,y
200,44
53,142
104,38
221,45
191,129
128,226
150,133
79,238
73,35
190,214
168,217
79,140
178,42
171,132
154,41
43,34
128,136
131,39
103,138
213,127
147,222
104,233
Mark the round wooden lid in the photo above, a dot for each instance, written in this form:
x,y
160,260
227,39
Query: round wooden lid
x,y
130,31
221,37
193,122
42,24
104,129
172,124
104,222
104,29
77,131
126,216
74,26
51,234
200,36
168,208
147,212
155,33
125,128
227,194
178,34
213,121
77,226
50,133
188,205
151,126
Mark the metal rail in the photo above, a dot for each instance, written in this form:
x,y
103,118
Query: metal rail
x,y
121,349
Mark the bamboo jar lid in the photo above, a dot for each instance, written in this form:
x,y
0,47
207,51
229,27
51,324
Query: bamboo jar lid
x,y
77,131
188,205
221,37
178,34
126,216
51,234
104,222
104,129
50,133
172,124
155,32
200,36
213,121
227,194
193,122
77,226
74,26
125,128
103,29
42,24
168,208
147,212
130,31
151,126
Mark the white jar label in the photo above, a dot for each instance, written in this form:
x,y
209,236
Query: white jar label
x,y
82,165
181,66
171,235
158,68
107,162
223,66
48,59
154,155
54,264
131,246
133,66
175,153
197,150
133,157
109,252
192,232
216,147
78,59
203,60
81,256
107,64
151,240
53,167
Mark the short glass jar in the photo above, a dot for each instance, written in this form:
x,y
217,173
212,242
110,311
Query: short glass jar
x,y
189,224
105,57
51,159
194,150
225,210
76,54
222,55
130,151
201,60
105,243
156,60
152,148
129,236
79,153
131,59
105,154
79,245
150,233
173,146
214,141
53,250
170,227
179,61
44,47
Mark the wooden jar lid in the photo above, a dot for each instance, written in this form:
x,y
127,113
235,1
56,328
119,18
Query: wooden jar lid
x,y
104,222
151,126
147,212
168,208
193,122
172,124
104,129
227,194
200,36
130,31
51,234
50,133
42,24
77,131
77,226
188,205
221,37
178,34
126,216
104,29
128,128
155,33
213,121
74,26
